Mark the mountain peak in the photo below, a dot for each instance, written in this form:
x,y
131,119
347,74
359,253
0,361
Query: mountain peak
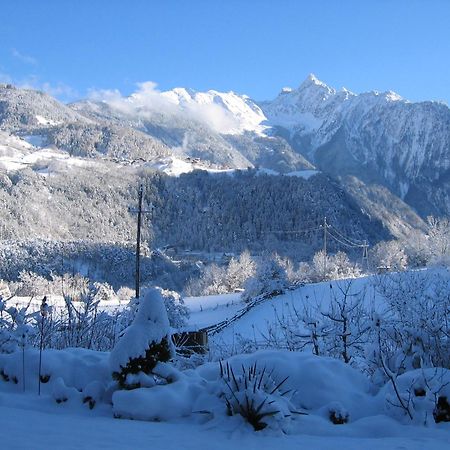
x,y
312,80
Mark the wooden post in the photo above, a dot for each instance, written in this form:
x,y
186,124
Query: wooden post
x,y
138,243
325,245
139,212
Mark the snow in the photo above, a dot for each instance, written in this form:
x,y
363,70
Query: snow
x,y
210,310
190,411
44,121
17,153
175,167
150,324
177,420
306,174
226,112
56,428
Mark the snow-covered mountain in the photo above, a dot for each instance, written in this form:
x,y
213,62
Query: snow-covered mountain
x,y
379,138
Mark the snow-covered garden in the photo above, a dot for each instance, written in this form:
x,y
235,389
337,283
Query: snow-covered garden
x,y
355,363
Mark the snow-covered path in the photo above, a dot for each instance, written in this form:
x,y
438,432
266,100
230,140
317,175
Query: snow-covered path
x,y
35,430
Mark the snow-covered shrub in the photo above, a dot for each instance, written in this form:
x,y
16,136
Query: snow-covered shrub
x,y
315,383
15,328
256,396
4,290
61,393
177,311
160,402
337,414
143,344
340,267
278,385
31,284
270,279
417,395
414,331
125,294
93,393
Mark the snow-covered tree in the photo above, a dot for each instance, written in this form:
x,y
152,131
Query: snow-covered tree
x,y
239,271
143,344
270,279
389,255
340,266
438,238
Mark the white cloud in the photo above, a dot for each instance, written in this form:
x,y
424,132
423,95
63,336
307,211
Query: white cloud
x,y
60,90
26,59
5,78
147,100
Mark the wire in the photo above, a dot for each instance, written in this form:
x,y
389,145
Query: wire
x,y
294,231
345,243
354,242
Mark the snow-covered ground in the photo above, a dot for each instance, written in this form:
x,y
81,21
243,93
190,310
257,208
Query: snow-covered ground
x,y
29,425
190,412
33,422
29,422
17,153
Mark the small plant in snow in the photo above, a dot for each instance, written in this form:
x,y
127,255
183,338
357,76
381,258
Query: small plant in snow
x,y
255,396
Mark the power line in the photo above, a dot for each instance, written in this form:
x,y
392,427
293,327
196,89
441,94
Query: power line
x,y
308,230
354,242
345,243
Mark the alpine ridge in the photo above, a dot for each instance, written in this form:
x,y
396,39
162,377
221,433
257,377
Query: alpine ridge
x,y
378,137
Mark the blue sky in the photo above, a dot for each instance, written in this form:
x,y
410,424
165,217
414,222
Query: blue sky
x,y
255,47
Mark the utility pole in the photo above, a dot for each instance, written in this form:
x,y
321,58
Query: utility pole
x,y
139,212
365,256
138,242
325,244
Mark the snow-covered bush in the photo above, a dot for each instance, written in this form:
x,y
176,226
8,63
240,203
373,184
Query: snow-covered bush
x,y
15,328
270,279
270,390
143,344
418,395
414,331
78,368
177,311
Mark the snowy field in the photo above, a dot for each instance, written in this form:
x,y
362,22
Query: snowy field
x,y
190,413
